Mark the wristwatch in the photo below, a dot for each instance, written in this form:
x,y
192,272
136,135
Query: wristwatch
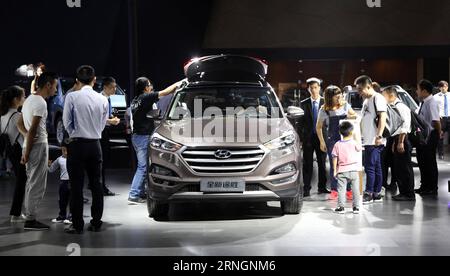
x,y
379,137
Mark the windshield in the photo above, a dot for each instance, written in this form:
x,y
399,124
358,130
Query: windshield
x,y
220,102
355,100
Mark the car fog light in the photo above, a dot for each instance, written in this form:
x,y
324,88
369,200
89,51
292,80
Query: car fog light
x,y
285,169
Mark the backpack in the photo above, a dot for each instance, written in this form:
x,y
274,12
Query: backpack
x,y
420,130
394,120
5,144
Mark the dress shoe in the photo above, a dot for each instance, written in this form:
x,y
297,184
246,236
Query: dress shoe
x,y
401,197
419,191
72,231
324,191
95,229
429,193
108,192
306,194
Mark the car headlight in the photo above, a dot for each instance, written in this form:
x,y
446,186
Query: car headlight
x,y
159,142
288,139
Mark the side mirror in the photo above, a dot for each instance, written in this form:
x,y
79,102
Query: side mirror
x,y
294,112
154,114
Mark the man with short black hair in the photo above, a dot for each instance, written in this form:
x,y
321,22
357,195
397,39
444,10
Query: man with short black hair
x,y
443,97
426,154
374,109
35,152
85,116
401,148
310,140
109,89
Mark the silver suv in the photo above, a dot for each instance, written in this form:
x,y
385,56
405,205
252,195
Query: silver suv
x,y
225,137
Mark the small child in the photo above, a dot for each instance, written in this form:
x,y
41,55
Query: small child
x,y
64,187
347,162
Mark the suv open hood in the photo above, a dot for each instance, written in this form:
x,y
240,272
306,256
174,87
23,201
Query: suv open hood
x,y
275,128
226,68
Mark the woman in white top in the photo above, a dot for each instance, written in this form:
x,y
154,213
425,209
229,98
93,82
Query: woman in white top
x,y
11,100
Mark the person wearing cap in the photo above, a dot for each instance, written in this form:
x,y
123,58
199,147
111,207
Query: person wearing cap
x,y
443,97
310,140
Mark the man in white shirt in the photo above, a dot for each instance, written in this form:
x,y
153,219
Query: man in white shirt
x,y
85,116
443,97
32,125
401,148
426,154
374,107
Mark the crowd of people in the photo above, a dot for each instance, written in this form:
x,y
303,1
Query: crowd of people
x,y
84,151
330,130
387,126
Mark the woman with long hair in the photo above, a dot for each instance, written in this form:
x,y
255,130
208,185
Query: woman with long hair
x,y
11,100
332,112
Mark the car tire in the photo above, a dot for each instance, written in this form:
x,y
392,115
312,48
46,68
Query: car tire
x,y
59,127
293,206
156,209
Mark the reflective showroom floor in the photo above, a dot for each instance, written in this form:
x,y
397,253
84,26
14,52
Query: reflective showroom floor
x,y
391,228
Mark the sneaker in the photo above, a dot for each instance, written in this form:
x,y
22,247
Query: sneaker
x,y
340,210
349,195
355,210
59,220
19,219
378,198
334,195
136,201
35,225
367,199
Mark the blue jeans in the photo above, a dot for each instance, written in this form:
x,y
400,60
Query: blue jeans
x,y
333,180
373,168
140,144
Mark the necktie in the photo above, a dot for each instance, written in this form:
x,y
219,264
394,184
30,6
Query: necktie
x,y
445,105
109,107
315,114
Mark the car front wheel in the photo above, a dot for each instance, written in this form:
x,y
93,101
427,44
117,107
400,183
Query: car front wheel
x,y
156,209
293,206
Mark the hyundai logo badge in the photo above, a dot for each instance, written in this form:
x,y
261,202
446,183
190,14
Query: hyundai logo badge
x,y
223,154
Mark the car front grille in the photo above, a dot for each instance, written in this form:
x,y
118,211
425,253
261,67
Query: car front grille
x,y
248,188
240,160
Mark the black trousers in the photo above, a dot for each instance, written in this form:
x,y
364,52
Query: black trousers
x,y
64,197
426,157
445,128
403,168
21,180
387,161
106,151
309,148
85,156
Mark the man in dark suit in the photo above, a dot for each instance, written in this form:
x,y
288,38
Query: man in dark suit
x,y
310,140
